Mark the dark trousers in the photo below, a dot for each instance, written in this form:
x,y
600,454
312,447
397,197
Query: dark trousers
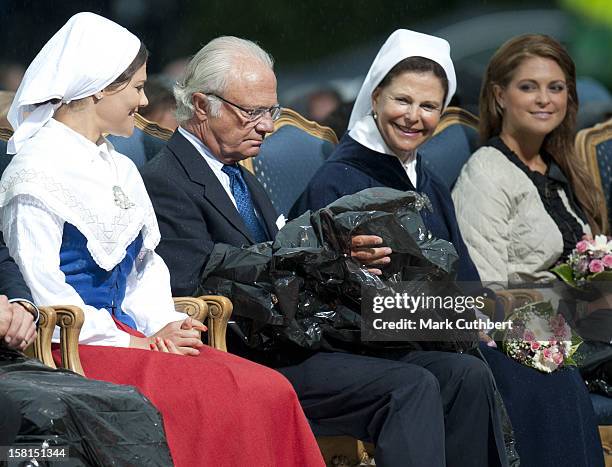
x,y
430,409
10,420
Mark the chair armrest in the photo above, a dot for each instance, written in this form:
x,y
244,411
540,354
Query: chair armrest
x,y
220,310
516,298
70,320
195,307
41,347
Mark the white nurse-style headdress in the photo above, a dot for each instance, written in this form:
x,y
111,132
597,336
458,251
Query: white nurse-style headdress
x,y
400,45
87,54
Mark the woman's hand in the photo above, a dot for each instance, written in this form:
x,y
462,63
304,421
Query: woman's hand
x,y
484,337
184,335
365,250
164,345
156,344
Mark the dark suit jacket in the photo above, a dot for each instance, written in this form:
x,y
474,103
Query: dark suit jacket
x,y
11,281
194,211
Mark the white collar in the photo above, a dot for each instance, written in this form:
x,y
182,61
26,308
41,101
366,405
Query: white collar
x,y
366,132
215,163
90,149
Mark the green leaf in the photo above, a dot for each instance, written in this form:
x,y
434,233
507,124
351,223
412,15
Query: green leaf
x,y
603,276
565,273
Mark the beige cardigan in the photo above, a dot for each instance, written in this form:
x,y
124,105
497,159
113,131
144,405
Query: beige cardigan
x,y
508,232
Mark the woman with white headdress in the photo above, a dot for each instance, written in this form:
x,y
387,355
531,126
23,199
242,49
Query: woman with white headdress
x,y
410,82
398,107
78,221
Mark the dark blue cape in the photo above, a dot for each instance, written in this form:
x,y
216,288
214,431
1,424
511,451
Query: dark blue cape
x,y
352,167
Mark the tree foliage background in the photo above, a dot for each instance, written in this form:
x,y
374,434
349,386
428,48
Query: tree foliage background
x,y
293,31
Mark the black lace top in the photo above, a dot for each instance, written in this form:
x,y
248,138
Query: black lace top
x,y
548,186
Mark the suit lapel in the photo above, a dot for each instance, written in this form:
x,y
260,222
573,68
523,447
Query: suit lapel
x,y
200,173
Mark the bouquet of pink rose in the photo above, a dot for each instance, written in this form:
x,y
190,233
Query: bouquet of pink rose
x,y
540,338
591,260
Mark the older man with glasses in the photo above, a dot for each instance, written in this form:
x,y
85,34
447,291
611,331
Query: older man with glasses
x,y
226,104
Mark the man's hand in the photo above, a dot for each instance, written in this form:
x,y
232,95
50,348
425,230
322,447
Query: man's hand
x,y
17,327
367,250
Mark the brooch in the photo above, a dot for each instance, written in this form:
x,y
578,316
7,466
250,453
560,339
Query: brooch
x,y
121,199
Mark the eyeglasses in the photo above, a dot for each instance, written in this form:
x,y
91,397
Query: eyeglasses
x,y
253,115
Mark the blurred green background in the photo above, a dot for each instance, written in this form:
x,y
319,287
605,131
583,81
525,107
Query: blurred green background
x,y
318,43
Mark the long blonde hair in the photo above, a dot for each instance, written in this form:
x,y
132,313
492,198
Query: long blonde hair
x,y
559,143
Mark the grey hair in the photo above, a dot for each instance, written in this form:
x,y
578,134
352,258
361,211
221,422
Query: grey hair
x,y
209,71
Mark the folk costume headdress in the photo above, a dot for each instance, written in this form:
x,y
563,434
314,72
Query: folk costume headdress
x,y
74,178
400,45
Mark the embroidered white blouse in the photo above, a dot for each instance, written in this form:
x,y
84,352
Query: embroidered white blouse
x,y
59,176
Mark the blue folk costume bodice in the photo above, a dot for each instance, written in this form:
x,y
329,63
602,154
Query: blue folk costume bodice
x,y
97,287
353,167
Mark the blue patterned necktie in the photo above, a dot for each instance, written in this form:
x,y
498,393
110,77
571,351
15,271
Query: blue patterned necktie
x,y
244,203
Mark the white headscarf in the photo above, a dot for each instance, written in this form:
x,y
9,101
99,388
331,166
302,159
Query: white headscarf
x,y
87,54
86,184
400,45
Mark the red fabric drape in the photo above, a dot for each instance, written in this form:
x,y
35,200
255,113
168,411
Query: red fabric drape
x,y
219,410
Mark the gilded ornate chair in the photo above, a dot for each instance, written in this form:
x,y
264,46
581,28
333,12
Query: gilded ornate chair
x,y
290,156
215,310
452,144
594,148
5,134
146,141
41,347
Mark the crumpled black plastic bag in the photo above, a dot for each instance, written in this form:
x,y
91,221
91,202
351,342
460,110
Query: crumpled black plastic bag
x,y
595,363
100,424
306,289
594,356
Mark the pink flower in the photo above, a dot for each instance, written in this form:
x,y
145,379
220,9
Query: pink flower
x,y
556,321
535,345
547,354
564,333
596,265
607,260
557,358
528,335
582,246
583,265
